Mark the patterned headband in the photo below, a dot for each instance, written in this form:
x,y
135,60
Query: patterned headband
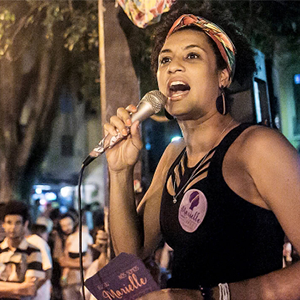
x,y
224,43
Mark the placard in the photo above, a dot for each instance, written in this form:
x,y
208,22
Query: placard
x,y
124,277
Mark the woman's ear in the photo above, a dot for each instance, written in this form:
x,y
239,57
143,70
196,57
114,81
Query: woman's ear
x,y
224,78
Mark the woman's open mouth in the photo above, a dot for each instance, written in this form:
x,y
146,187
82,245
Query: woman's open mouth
x,y
178,89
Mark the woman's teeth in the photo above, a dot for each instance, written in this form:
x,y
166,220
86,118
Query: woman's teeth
x,y
178,87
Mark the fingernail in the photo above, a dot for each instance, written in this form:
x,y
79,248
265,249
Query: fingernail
x,y
128,122
124,131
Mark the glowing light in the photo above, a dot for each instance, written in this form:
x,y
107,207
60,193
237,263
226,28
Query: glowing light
x,y
63,209
43,201
50,196
176,138
42,187
148,146
66,191
297,79
36,196
38,191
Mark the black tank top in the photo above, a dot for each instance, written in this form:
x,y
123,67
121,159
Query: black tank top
x,y
216,235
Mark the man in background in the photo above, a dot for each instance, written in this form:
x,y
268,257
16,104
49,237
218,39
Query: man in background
x,y
20,262
38,237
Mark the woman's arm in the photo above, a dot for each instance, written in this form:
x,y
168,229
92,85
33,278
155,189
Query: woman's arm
x,y
137,230
128,232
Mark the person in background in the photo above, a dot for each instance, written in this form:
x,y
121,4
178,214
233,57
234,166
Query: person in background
x,y
163,258
290,254
87,217
222,196
54,216
45,221
69,261
2,231
35,210
38,237
101,242
20,262
41,231
287,254
72,247
46,213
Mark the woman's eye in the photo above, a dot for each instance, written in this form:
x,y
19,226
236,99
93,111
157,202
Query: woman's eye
x,y
165,60
192,55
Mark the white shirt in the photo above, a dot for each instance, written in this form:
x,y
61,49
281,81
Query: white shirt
x,y
72,241
44,292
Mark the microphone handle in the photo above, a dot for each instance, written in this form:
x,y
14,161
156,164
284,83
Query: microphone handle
x,y
107,142
145,110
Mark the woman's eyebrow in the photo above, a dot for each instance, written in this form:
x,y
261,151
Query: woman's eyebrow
x,y
185,48
194,46
165,51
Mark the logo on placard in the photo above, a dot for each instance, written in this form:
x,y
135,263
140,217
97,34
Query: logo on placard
x,y
192,210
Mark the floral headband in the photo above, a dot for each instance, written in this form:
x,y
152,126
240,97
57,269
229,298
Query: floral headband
x,y
222,40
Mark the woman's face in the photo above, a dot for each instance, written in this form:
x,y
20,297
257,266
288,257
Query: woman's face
x,y
67,225
187,74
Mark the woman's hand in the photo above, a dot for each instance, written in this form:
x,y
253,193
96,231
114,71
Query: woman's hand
x,y
125,153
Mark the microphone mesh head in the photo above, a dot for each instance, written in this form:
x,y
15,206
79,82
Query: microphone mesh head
x,y
156,99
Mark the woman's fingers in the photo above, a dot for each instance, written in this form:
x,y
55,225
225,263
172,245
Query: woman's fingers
x,y
110,129
126,153
121,121
135,133
125,113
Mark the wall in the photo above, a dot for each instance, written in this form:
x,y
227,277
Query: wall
x,y
287,64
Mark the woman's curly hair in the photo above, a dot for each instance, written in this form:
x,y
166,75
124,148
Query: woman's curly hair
x,y
245,63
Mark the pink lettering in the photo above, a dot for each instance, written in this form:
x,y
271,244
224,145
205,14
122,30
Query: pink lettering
x,y
193,216
136,283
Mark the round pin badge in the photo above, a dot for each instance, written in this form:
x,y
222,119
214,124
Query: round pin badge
x,y
192,210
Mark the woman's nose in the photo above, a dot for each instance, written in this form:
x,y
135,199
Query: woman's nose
x,y
175,66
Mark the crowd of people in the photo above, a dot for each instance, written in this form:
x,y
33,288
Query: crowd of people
x,y
41,260
39,257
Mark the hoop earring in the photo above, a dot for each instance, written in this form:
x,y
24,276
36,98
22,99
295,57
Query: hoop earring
x,y
221,103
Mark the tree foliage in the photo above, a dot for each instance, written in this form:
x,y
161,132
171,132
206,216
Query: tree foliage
x,y
46,44
43,44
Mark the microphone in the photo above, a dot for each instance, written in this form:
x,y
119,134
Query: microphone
x,y
149,105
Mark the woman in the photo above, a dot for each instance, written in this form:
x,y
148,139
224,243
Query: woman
x,y
221,196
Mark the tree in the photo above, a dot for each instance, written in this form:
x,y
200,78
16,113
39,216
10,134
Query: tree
x,y
44,43
40,42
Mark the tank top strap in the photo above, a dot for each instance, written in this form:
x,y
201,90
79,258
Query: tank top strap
x,y
176,162
215,168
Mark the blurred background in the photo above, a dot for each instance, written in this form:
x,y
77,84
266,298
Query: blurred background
x,y
66,65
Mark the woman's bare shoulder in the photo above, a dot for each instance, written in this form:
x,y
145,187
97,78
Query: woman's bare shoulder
x,y
260,141
260,150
